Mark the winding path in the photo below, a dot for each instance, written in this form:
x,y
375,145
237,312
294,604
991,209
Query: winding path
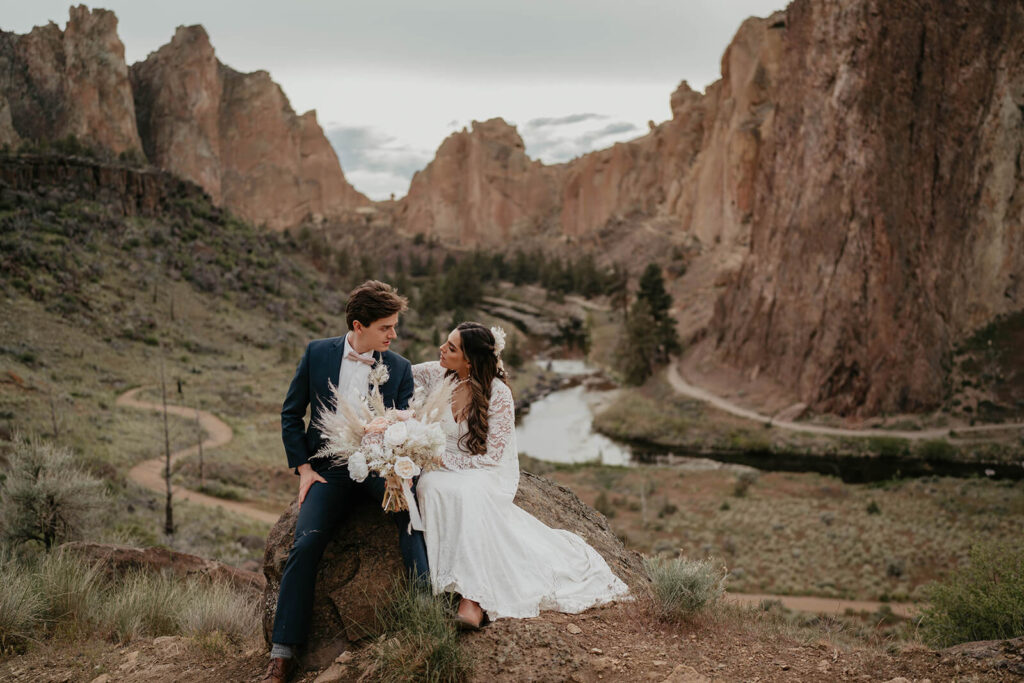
x,y
681,386
150,473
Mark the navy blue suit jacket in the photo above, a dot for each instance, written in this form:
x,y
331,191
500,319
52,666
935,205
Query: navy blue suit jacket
x,y
319,367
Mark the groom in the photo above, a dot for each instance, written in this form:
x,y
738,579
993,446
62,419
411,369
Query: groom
x,y
326,493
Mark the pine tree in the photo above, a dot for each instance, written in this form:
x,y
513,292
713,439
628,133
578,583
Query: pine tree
x,y
637,353
652,290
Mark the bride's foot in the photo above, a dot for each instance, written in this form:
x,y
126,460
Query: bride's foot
x,y
469,615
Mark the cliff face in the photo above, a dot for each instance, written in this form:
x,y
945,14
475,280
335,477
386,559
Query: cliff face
x,y
888,209
697,168
236,135
480,188
57,83
233,134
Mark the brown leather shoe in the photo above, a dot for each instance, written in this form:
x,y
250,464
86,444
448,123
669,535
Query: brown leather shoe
x,y
277,670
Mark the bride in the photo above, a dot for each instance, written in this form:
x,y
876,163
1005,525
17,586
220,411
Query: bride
x,y
502,561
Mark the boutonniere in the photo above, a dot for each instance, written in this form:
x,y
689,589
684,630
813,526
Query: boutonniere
x,y
379,374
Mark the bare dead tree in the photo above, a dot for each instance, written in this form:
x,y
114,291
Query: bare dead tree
x,y
53,417
168,509
199,442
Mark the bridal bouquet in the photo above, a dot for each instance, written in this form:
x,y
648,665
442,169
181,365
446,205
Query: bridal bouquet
x,y
397,445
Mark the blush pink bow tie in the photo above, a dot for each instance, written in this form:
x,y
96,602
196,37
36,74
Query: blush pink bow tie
x,y
351,355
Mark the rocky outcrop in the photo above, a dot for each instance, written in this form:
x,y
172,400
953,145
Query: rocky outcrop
x,y
236,136
54,84
481,188
130,191
888,205
697,168
362,562
118,560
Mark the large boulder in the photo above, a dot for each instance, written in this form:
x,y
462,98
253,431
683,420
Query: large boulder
x,y
362,561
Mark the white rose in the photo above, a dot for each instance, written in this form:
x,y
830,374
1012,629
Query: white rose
x,y
357,468
396,434
406,468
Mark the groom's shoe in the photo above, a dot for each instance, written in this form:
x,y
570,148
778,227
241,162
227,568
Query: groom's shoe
x,y
278,670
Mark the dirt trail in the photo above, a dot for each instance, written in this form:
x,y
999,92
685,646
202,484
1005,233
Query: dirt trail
x,y
150,473
680,385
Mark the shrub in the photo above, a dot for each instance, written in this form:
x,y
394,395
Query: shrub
x,y
21,606
144,605
937,449
420,642
46,497
218,608
743,482
72,591
983,600
888,446
682,587
603,505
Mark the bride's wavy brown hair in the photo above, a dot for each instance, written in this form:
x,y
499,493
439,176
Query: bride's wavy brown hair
x,y
478,348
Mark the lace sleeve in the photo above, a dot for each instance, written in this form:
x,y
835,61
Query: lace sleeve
x,y
501,424
426,375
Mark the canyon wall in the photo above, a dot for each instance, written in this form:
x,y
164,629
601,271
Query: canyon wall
x,y
888,209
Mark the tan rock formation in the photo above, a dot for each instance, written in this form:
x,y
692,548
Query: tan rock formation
x,y
237,136
698,167
888,208
57,83
481,188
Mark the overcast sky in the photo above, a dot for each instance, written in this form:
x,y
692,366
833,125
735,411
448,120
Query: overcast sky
x,y
390,79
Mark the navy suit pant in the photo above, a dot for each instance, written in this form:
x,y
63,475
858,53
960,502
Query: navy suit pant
x,y
325,507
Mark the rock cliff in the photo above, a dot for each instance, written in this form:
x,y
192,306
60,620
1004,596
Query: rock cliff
x,y
888,203
236,135
57,83
481,188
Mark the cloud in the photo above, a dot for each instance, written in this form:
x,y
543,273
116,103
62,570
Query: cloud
x,y
562,120
571,136
375,163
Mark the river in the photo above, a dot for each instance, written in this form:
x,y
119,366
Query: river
x,y
559,427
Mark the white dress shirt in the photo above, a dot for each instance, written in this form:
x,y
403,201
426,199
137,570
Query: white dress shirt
x,y
354,377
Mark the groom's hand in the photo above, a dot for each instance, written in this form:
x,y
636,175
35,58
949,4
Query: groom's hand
x,y
307,477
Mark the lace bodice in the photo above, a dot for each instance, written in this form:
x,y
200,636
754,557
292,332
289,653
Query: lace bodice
x,y
501,450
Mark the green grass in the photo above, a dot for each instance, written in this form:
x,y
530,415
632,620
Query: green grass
x,y
57,595
420,642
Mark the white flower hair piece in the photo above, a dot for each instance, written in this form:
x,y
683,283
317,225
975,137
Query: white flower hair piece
x,y
499,341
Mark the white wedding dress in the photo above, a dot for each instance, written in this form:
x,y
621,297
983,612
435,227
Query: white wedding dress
x,y
484,547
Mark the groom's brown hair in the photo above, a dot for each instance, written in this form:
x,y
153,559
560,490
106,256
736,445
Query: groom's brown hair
x,y
372,301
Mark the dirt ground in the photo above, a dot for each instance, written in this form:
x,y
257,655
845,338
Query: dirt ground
x,y
614,643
